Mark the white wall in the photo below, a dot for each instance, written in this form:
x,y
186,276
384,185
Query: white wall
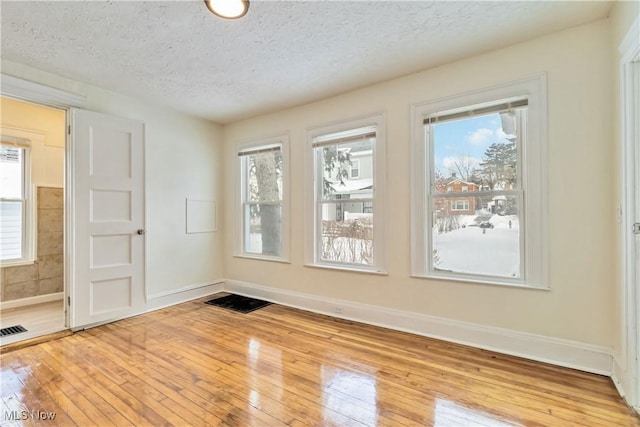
x,y
183,160
183,157
580,304
47,154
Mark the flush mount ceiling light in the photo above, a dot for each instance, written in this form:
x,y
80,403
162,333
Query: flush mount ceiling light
x,y
228,9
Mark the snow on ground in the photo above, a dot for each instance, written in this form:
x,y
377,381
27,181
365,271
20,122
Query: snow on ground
x,y
466,220
496,252
466,250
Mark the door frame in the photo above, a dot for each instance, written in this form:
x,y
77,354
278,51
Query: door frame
x,y
24,90
629,363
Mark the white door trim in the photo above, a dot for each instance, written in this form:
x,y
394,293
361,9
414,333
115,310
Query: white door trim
x,y
35,92
627,378
14,87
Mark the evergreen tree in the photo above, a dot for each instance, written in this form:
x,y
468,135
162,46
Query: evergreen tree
x,y
498,169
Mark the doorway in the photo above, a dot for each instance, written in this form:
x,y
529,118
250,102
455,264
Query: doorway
x,y
32,157
104,207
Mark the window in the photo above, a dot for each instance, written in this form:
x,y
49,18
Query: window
x,y
459,205
347,215
496,234
263,192
368,207
355,169
14,230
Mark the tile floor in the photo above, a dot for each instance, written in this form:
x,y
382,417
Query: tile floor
x,y
39,319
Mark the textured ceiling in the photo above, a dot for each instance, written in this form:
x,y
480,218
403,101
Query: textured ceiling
x,y
281,54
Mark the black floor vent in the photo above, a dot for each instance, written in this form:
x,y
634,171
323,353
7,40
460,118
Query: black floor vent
x,y
238,303
12,330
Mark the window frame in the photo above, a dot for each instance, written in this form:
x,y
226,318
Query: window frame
x,y
313,221
240,193
533,169
27,201
454,205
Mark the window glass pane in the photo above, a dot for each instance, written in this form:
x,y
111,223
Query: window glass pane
x,y
262,229
347,232
355,168
11,172
477,153
264,179
11,230
482,242
339,162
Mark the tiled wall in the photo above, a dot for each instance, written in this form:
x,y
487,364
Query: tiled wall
x,y
45,276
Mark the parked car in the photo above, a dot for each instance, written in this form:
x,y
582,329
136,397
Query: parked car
x,y
486,224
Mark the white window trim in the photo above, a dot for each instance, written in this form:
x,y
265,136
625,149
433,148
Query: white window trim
x,y
312,258
283,141
534,182
29,233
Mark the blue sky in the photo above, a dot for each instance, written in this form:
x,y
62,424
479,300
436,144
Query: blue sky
x,y
465,139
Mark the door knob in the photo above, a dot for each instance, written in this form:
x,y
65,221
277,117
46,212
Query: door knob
x,y
140,232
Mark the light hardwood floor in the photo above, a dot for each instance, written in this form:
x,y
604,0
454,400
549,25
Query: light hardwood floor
x,y
195,364
38,319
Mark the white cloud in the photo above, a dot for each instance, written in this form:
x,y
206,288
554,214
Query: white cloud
x,y
483,136
480,136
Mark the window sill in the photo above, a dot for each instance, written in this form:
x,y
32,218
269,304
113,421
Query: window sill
x,y
479,281
19,263
263,258
348,269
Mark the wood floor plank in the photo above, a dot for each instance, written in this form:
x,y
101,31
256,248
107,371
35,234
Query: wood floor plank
x,y
353,405
82,381
195,364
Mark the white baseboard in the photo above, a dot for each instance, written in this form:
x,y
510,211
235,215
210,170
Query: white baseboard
x,y
188,293
566,353
6,305
625,383
167,299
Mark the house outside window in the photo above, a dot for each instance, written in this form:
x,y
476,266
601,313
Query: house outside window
x,y
262,190
496,232
347,208
15,234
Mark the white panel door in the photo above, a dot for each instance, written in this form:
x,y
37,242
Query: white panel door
x,y
108,218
